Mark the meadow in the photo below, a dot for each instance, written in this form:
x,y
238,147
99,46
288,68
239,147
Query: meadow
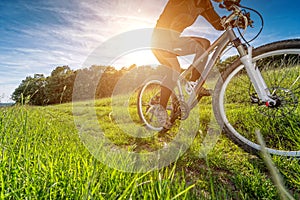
x,y
43,157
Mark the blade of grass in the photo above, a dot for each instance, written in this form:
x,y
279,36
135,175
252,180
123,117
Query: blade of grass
x,y
274,172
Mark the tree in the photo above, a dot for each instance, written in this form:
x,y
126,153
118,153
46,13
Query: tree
x,y
31,90
60,85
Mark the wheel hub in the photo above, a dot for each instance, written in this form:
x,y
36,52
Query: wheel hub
x,y
274,104
283,103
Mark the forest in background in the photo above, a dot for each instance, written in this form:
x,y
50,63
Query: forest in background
x,y
58,86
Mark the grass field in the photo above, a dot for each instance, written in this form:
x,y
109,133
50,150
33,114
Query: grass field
x,y
42,157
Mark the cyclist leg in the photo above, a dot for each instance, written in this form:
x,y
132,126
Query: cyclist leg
x,y
169,60
193,45
204,45
162,47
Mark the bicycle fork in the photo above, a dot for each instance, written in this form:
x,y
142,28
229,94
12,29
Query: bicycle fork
x,y
256,79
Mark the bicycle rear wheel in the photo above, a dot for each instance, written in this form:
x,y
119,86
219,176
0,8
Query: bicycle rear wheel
x,y
149,95
241,114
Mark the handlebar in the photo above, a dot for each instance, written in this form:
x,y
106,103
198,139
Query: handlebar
x,y
238,18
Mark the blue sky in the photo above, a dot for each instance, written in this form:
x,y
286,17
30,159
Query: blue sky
x,y
38,35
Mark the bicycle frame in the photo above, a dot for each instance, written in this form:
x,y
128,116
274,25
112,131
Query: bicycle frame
x,y
217,48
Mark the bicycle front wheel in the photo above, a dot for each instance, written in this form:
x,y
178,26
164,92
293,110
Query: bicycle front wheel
x,y
240,113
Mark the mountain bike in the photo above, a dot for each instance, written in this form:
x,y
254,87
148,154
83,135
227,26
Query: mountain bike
x,y
259,90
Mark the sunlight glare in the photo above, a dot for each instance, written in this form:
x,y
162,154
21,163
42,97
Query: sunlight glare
x,y
139,57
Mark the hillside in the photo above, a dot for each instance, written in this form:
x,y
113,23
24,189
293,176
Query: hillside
x,y
42,157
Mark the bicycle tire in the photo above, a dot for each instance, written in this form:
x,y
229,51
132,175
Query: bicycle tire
x,y
240,116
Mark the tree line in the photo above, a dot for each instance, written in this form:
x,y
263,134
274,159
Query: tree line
x,y
58,86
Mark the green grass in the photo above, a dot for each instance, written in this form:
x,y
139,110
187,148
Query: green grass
x,y
42,157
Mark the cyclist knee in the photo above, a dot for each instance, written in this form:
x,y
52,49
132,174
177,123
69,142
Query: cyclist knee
x,y
206,44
